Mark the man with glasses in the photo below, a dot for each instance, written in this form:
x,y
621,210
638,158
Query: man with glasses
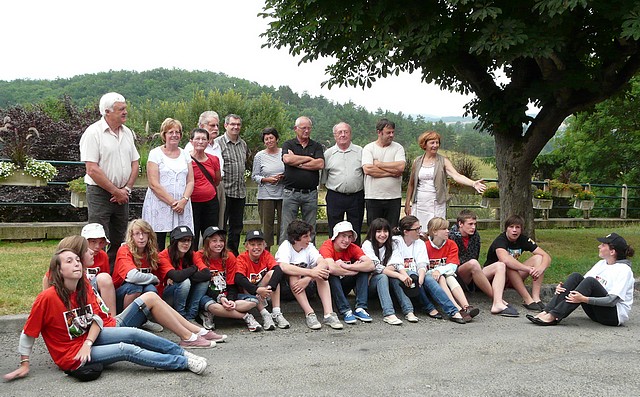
x,y
303,159
383,162
234,155
344,180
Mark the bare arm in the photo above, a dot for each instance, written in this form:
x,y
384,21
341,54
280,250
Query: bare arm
x,y
337,269
510,261
461,179
153,175
409,200
364,264
120,195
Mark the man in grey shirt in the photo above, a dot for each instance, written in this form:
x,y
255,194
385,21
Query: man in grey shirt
x,y
344,180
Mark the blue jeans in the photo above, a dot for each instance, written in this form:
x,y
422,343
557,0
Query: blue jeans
x,y
308,205
134,315
340,287
115,344
432,289
185,297
130,289
380,283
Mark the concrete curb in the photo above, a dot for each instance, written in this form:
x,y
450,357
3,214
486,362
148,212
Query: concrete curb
x,y
15,322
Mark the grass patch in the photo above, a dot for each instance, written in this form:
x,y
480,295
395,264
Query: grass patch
x,y
23,266
571,250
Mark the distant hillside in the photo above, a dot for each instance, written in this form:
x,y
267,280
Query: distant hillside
x,y
175,85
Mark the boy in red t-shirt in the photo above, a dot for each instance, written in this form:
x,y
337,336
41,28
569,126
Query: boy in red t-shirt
x,y
258,273
349,268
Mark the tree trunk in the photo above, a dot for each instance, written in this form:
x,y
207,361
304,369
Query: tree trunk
x,y
514,176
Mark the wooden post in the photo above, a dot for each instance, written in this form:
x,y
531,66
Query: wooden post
x,y
624,202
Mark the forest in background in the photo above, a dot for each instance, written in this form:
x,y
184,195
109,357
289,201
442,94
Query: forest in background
x,y
159,93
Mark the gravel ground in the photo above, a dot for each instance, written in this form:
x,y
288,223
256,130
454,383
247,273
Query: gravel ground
x,y
492,356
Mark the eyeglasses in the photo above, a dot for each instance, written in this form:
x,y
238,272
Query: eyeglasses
x,y
140,234
416,229
235,124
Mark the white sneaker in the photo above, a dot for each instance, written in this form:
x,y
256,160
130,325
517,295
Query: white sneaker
x,y
152,327
312,321
252,324
392,319
331,320
280,321
196,365
188,354
267,323
411,317
207,320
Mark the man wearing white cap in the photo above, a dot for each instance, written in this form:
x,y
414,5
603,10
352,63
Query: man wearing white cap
x,y
349,268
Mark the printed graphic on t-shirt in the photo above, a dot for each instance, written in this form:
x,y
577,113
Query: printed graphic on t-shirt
x,y
602,281
78,321
145,270
255,278
433,263
515,252
92,272
218,281
303,265
410,264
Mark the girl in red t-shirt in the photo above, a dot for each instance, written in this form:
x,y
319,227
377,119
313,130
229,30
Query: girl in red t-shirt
x,y
77,332
221,297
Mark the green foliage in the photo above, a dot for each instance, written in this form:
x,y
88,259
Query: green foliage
x,y
542,195
603,144
491,192
77,185
558,185
40,169
585,195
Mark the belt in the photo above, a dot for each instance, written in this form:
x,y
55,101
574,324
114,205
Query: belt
x,y
303,191
345,194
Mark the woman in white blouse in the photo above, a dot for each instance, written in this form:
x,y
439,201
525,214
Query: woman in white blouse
x,y
167,202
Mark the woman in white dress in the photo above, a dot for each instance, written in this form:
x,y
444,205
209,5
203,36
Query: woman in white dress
x,y
166,204
427,188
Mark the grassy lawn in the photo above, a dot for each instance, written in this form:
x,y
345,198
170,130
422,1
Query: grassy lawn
x,y
23,264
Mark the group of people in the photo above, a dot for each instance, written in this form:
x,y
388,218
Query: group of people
x,y
95,300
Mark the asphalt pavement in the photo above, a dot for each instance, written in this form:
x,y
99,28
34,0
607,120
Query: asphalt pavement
x,y
492,356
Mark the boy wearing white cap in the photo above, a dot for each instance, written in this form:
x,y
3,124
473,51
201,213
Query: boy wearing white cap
x,y
349,268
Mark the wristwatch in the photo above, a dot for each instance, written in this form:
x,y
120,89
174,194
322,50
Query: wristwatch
x,y
128,189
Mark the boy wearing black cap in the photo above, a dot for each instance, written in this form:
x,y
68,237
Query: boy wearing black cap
x,y
258,273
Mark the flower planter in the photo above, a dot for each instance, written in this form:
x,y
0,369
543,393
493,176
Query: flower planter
x,y
490,202
542,204
20,178
79,200
563,193
585,205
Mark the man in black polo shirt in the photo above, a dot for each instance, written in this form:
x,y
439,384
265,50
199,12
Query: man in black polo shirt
x,y
303,159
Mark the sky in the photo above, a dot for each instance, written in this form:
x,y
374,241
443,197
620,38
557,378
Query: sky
x,y
46,39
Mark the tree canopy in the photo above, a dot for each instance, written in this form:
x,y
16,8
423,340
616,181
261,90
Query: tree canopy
x,y
561,55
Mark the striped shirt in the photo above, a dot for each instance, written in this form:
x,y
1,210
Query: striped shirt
x,y
235,159
264,165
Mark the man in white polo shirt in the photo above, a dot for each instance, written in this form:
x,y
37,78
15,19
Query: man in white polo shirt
x,y
383,162
111,160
